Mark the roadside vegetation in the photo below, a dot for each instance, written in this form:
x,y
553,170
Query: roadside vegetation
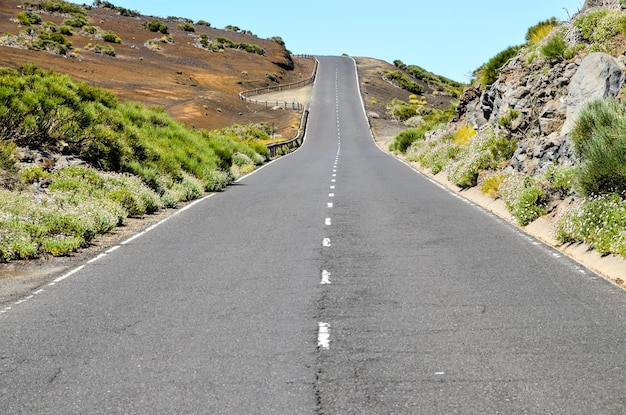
x,y
129,160
591,193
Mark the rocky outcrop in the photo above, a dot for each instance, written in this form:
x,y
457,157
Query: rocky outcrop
x,y
536,104
598,77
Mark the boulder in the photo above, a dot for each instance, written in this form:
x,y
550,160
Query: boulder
x,y
598,77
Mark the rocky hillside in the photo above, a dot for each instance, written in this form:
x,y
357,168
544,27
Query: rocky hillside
x,y
529,137
536,101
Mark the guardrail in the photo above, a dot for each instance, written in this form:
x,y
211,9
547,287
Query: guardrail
x,y
284,147
245,95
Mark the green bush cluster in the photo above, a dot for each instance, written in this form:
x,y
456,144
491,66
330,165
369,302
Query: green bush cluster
x,y
555,49
484,152
79,204
432,119
599,221
222,42
438,81
187,27
599,142
156,26
111,37
404,81
57,6
203,23
152,161
28,18
488,73
121,10
42,109
434,154
524,196
599,25
77,21
54,42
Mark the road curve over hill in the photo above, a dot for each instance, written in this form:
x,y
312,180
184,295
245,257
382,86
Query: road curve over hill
x,y
336,280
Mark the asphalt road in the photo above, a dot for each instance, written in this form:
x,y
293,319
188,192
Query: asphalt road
x,y
336,280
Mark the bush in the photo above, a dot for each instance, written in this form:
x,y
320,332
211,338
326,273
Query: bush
x,y
28,18
203,23
57,6
464,135
524,198
598,221
76,21
555,49
187,27
562,179
486,151
490,185
599,25
403,81
488,73
435,154
540,31
599,142
111,37
156,26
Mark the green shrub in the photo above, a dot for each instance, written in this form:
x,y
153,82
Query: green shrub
x,y
490,185
488,73
66,30
28,18
111,37
7,156
187,27
407,137
485,152
403,81
555,49
541,30
562,179
435,154
76,21
524,198
599,142
203,23
156,26
57,6
598,221
599,25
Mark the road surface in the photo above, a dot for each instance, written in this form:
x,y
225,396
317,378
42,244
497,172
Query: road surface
x,y
336,280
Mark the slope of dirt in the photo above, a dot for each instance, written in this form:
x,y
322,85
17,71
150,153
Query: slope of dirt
x,y
194,85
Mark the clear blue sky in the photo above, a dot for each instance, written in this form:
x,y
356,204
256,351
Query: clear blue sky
x,y
450,38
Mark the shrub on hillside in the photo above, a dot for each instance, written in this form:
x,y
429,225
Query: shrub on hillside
x,y
524,197
156,26
599,142
187,27
488,73
77,21
57,6
403,81
599,25
555,49
484,152
598,221
111,37
28,18
541,30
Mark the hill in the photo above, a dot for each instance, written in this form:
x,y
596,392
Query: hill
x,y
195,84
